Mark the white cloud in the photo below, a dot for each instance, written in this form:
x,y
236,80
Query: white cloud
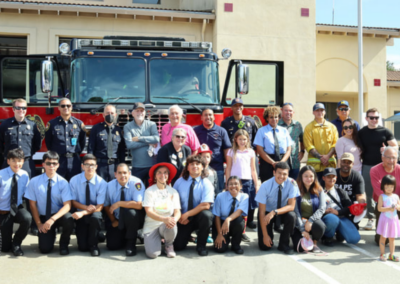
x,y
395,58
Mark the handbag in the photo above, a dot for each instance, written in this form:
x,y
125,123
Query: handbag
x,y
305,244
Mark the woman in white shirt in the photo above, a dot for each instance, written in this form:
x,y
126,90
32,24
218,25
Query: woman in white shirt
x,y
162,206
349,143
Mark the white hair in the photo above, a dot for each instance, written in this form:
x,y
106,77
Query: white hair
x,y
175,107
395,149
176,130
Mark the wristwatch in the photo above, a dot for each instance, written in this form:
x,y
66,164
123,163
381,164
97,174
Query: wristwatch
x,y
276,212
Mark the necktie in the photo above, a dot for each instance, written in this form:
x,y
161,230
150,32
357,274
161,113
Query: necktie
x,y
276,144
190,202
14,196
48,201
87,193
109,143
121,211
232,206
279,205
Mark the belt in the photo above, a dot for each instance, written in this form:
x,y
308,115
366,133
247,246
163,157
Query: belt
x,y
108,161
4,212
70,155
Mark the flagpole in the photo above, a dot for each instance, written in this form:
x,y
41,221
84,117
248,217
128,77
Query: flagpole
x,y
360,65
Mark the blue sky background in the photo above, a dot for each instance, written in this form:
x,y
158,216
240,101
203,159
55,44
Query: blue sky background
x,y
376,13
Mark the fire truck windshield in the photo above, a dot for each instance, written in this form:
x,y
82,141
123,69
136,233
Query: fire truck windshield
x,y
175,80
100,79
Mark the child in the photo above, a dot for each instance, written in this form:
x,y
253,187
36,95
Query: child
x,y
206,153
388,225
241,162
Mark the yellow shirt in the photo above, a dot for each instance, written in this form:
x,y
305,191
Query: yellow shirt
x,y
321,138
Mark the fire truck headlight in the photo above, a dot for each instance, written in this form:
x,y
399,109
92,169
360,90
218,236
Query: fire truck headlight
x,y
64,48
226,53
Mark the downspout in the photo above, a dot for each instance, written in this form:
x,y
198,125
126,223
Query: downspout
x,y
203,29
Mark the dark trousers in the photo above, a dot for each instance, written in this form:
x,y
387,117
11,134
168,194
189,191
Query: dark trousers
x,y
87,230
294,173
378,214
117,238
317,231
106,171
266,169
234,235
288,221
142,174
69,167
46,240
24,219
201,222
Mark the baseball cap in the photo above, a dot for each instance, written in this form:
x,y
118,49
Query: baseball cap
x,y
236,101
204,149
138,105
318,106
347,156
329,171
343,103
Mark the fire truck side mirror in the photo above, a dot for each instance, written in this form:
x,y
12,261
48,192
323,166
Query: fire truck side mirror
x,y
47,76
243,79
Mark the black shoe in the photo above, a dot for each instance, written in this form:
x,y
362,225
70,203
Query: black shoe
x,y
286,250
94,251
245,238
64,251
101,237
328,242
237,250
17,251
130,251
251,225
34,231
202,251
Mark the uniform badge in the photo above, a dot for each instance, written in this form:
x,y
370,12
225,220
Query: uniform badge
x,y
293,182
47,126
138,186
75,126
116,133
180,155
241,124
28,127
248,124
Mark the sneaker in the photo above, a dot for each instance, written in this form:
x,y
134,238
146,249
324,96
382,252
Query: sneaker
x,y
209,240
169,251
316,249
369,225
245,238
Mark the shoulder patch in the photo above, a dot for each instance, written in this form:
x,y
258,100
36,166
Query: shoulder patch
x,y
292,181
48,126
138,186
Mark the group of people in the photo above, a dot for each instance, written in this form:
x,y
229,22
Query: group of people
x,y
178,183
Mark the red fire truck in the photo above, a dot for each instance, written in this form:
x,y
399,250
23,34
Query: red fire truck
x,y
158,72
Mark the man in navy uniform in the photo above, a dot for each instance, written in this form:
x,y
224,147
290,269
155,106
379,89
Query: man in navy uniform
x,y
66,135
89,192
107,144
50,198
13,184
123,206
343,112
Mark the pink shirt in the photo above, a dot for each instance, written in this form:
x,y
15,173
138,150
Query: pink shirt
x,y
344,145
191,140
241,167
377,173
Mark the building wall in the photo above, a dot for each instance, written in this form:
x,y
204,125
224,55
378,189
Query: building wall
x,y
393,99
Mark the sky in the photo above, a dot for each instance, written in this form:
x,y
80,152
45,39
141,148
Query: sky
x,y
375,13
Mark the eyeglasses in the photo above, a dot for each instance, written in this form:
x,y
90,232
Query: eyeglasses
x,y
20,108
180,137
65,106
391,158
348,127
285,104
51,164
91,166
373,117
344,109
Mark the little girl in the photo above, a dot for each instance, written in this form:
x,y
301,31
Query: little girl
x,y
388,225
241,162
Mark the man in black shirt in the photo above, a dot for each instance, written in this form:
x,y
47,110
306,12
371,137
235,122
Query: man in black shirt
x,y
372,138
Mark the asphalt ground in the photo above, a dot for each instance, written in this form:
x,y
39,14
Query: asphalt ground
x,y
343,263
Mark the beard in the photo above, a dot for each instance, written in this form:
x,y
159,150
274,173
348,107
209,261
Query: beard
x,y
140,118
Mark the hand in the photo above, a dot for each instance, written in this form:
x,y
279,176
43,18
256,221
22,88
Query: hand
x,y
273,164
90,208
269,217
267,241
154,145
306,235
325,160
77,215
114,207
169,222
115,223
301,155
184,218
135,139
225,226
308,226
48,224
218,241
383,147
41,228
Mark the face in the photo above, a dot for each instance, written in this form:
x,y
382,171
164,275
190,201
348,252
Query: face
x,y
308,178
234,187
195,169
175,116
319,113
348,128
287,112
65,107
122,174
15,164
281,175
109,110
50,166
138,114
237,109
329,180
346,166
241,141
208,118
162,175
373,119
389,158
89,167
273,120
179,138
207,157
343,111
19,110
389,188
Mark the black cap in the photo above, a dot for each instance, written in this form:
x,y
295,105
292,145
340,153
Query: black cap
x,y
330,171
138,105
318,106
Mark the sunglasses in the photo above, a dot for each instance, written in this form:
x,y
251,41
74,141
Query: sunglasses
x,y
373,117
51,164
65,106
344,109
285,104
180,137
348,127
19,108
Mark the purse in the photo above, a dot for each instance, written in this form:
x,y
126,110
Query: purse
x,y
305,244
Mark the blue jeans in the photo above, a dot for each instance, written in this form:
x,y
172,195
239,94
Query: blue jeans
x,y
221,180
342,225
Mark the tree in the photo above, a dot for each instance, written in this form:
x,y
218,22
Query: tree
x,y
390,66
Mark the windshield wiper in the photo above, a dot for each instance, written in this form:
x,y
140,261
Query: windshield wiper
x,y
179,98
94,111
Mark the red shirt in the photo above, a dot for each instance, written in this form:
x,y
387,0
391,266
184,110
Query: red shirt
x,y
377,173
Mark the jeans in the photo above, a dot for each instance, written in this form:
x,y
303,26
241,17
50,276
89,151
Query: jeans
x,y
221,180
342,225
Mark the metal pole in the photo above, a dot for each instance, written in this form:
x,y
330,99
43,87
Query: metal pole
x,y
333,12
360,65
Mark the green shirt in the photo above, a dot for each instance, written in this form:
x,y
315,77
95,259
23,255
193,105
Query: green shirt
x,y
296,133
306,206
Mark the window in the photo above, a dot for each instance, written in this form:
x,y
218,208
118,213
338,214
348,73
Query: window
x,y
330,110
397,128
13,45
146,1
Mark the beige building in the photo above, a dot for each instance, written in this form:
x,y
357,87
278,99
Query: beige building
x,y
317,62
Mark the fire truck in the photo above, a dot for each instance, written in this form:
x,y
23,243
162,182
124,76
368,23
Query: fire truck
x,y
158,72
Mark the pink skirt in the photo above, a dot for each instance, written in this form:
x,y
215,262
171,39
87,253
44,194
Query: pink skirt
x,y
388,227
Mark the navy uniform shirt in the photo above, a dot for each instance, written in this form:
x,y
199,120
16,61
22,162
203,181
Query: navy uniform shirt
x,y
338,123
24,135
6,176
246,123
65,137
223,203
97,188
217,140
98,142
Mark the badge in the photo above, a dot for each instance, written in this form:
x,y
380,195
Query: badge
x,y
138,186
180,155
47,126
116,133
75,126
241,124
293,182
248,124
102,134
173,156
28,127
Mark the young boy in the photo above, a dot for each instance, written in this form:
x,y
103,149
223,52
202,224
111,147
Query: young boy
x,y
206,153
13,184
